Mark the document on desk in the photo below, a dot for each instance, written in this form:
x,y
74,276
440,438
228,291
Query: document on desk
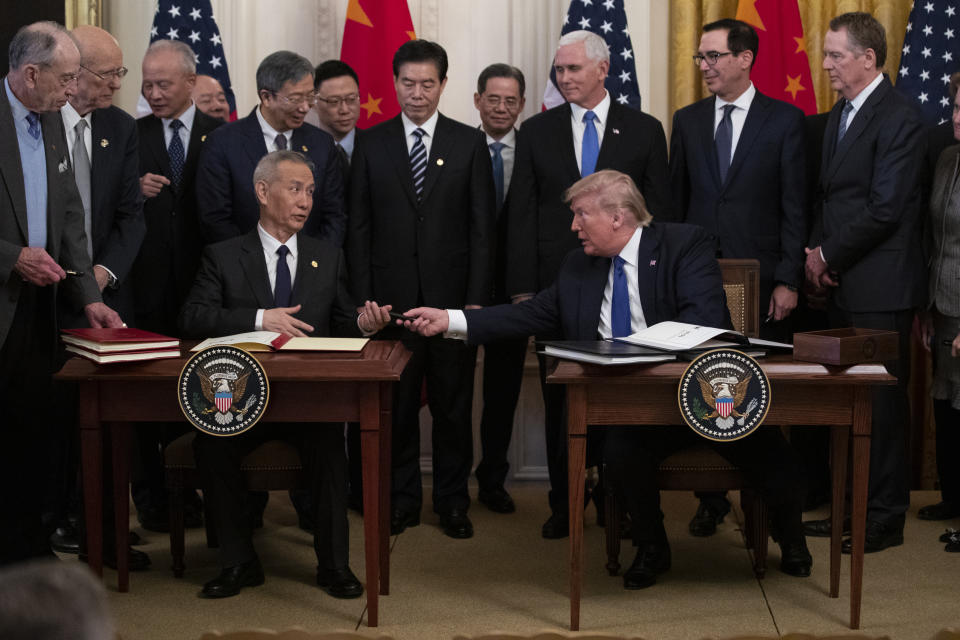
x,y
273,341
602,352
679,336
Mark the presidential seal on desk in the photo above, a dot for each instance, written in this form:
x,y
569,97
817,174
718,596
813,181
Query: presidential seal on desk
x,y
223,390
724,395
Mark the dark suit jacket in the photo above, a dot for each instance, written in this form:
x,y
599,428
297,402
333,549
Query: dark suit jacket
x,y
679,280
546,165
170,253
232,284
66,240
867,211
759,211
437,252
226,201
116,203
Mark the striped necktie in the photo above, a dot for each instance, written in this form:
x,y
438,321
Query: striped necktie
x,y
418,161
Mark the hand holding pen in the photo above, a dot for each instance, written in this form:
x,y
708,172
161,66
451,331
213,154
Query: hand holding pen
x,y
36,266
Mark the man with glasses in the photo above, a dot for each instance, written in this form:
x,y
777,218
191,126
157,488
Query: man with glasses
x,y
338,106
225,197
210,98
737,170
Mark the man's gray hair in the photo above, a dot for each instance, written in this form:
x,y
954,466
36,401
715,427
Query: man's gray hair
x,y
266,170
188,59
53,600
593,44
281,67
35,44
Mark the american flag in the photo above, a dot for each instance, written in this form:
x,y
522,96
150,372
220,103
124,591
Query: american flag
x,y
608,19
192,22
931,53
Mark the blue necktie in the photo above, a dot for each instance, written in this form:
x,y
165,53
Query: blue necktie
x,y
844,115
418,162
590,148
282,288
724,141
33,120
497,159
620,305
175,151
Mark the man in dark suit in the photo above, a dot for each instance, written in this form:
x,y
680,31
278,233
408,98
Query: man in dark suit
x,y
42,243
737,170
421,221
170,141
225,199
865,248
276,278
590,132
209,97
667,272
499,100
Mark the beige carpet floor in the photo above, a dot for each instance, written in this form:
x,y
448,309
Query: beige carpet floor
x,y
507,578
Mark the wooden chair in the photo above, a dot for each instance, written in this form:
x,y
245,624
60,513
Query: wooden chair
x,y
701,468
272,466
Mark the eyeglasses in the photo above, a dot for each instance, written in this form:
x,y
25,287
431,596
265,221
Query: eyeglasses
x,y
108,75
297,100
711,57
351,100
494,101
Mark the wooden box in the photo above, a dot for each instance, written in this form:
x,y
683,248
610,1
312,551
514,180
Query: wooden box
x,y
845,346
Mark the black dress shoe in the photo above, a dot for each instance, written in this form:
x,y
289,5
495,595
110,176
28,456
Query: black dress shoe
x,y
136,560
497,500
795,559
557,526
821,528
456,524
953,543
65,539
705,520
400,520
652,559
232,579
878,537
339,583
939,511
948,534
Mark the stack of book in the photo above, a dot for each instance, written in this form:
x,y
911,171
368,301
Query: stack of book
x,y
105,346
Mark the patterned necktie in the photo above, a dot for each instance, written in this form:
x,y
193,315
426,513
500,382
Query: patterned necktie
x,y
418,162
81,173
844,115
497,159
723,140
282,288
281,142
590,148
175,151
33,120
620,304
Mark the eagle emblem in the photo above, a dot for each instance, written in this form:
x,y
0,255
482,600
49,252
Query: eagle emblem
x,y
725,393
220,389
223,390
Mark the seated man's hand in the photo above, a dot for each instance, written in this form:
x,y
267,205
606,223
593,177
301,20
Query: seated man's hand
x,y
100,316
373,317
281,320
426,321
152,183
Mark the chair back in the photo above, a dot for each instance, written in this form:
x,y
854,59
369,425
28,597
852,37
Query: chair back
x,y
741,283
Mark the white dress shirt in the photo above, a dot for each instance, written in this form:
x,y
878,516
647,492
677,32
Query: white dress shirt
x,y
347,142
576,121
270,246
187,119
428,127
508,153
737,117
630,269
270,134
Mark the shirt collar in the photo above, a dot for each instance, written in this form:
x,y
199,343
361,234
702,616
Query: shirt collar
x,y
631,250
742,102
348,141
861,97
601,110
270,131
186,119
428,127
71,118
508,140
271,244
19,110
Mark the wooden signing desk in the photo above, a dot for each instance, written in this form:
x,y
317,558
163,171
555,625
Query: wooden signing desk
x,y
802,393
304,387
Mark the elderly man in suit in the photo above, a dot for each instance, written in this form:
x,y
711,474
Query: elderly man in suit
x,y
43,261
737,170
865,248
557,148
668,272
225,197
277,278
421,221
170,141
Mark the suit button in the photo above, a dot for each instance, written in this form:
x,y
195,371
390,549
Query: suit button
x,y
419,218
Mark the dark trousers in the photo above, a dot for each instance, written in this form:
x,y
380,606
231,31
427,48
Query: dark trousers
x,y
325,473
555,435
889,489
502,377
633,454
948,450
448,368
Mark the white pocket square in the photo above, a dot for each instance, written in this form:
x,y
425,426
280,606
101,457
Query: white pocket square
x,y
63,166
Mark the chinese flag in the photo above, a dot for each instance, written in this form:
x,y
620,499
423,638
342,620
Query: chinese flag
x,y
782,70
374,31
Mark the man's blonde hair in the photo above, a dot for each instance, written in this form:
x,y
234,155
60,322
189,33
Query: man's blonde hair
x,y
614,190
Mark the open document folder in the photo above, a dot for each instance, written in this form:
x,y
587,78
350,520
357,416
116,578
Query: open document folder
x,y
273,341
679,336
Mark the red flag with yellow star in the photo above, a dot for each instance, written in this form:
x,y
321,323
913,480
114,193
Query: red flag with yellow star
x,y
782,70
374,31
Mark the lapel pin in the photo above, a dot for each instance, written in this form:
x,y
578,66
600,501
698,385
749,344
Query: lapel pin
x,y
653,263
203,138
313,264
616,131
304,147
439,162
104,143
